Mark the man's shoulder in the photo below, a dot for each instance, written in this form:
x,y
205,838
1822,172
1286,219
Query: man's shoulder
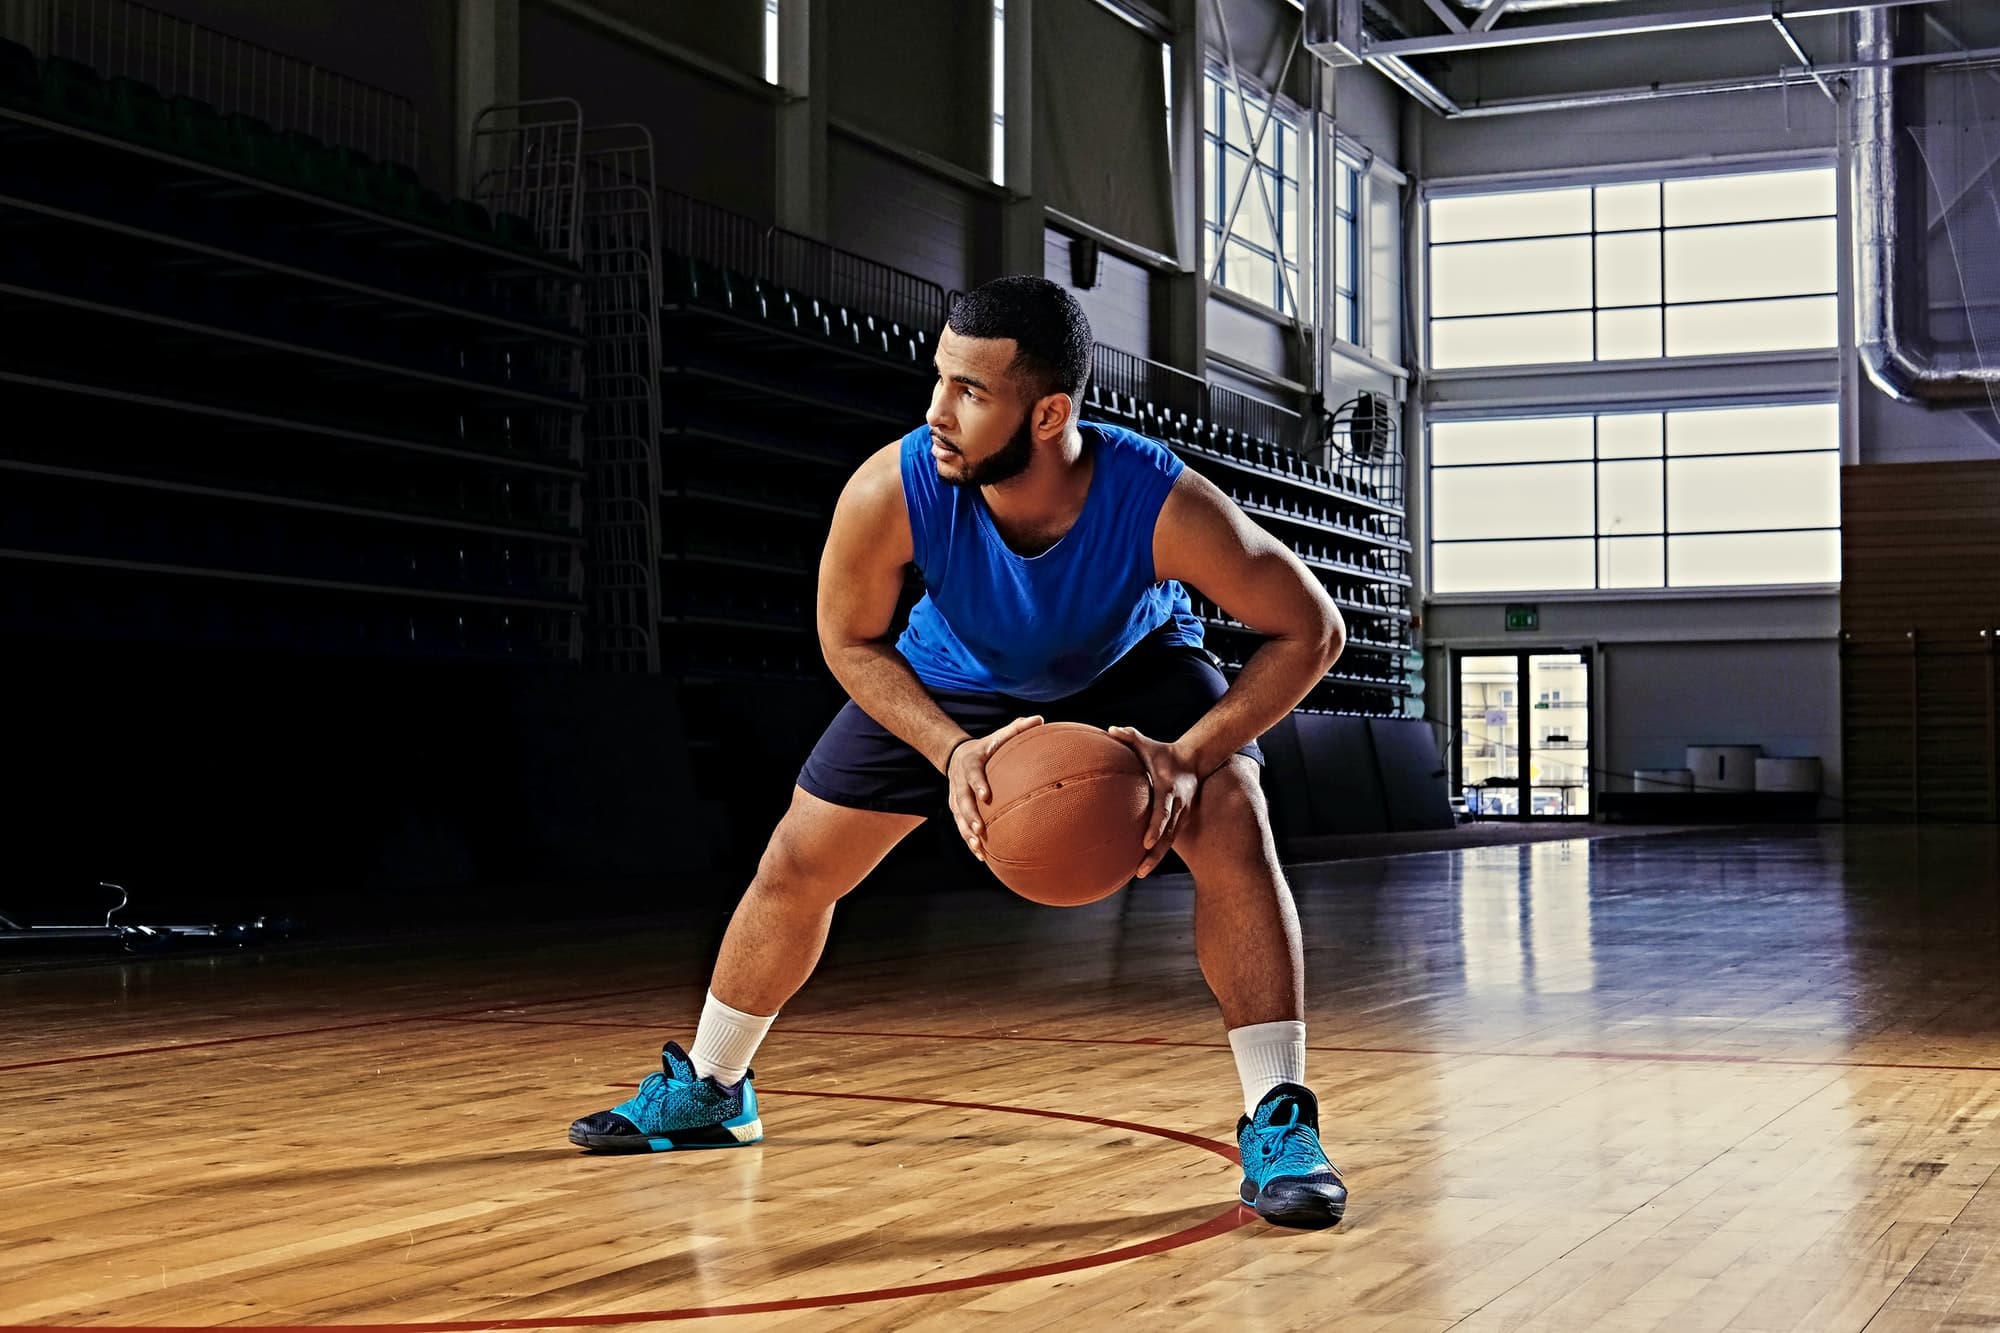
x,y
1136,450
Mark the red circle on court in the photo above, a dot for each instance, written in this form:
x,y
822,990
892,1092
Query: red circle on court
x,y
1229,1219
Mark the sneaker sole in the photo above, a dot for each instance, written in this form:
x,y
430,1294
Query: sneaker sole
x,y
745,1135
1303,1211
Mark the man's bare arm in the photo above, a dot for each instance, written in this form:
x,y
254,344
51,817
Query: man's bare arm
x,y
860,579
1204,540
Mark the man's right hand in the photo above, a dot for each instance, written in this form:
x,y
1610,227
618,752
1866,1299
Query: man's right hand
x,y
965,773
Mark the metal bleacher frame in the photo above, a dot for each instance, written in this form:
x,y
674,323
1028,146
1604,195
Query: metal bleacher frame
x,y
270,393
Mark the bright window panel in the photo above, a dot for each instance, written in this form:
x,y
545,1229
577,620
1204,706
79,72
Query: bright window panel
x,y
1532,500
1631,562
1628,207
1484,217
1246,271
1626,335
1751,326
1385,268
1628,269
1744,430
1511,277
1629,435
1511,566
1630,497
1510,340
1343,316
1253,225
1757,491
1235,180
1510,440
1343,188
1754,557
1760,259
1750,198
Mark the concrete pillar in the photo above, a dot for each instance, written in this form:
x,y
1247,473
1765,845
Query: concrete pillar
x,y
1023,223
801,116
1180,334
488,72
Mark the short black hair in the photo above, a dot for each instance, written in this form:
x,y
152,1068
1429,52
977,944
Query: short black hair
x,y
1046,324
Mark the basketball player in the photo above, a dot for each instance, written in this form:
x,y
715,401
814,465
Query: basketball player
x,y
1053,553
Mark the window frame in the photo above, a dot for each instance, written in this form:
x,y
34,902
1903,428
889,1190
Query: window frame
x,y
1626,174
1810,375
1666,590
1219,95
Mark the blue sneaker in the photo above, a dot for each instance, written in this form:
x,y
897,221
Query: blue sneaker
x,y
1286,1176
674,1109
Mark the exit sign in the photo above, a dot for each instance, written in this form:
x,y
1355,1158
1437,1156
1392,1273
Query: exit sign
x,y
1523,617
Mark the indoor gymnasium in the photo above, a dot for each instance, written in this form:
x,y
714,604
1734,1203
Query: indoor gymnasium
x,y
1000,664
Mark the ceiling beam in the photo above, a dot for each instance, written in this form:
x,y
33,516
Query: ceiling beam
x,y
1692,14
1485,22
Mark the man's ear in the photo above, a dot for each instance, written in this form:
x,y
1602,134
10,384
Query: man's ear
x,y
1051,415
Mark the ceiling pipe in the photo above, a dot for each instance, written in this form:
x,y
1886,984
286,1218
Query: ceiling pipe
x,y
1891,293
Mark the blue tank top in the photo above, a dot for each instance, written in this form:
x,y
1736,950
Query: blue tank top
x,y
992,621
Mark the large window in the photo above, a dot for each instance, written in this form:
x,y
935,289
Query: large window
x,y
999,92
1697,497
1345,242
770,41
1715,265
1261,258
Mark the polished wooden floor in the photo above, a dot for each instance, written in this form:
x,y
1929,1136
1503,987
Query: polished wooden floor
x,y
1704,1081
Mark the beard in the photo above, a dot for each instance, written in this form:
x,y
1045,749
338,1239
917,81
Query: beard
x,y
1007,462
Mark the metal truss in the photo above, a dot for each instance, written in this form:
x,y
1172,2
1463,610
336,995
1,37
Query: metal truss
x,y
1336,32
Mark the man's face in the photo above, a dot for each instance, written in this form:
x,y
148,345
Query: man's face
x,y
980,417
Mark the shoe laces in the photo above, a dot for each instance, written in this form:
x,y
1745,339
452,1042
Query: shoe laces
x,y
1288,1149
652,1091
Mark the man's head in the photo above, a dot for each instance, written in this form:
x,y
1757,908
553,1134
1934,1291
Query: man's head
x,y
1012,362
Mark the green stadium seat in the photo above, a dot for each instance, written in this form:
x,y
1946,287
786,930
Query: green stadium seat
x,y
138,111
253,146
393,188
72,91
196,129
20,77
516,232
470,219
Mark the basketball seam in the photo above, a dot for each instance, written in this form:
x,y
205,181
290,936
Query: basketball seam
x,y
1095,775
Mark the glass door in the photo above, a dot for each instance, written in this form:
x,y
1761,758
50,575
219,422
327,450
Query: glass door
x,y
1523,740
1489,733
1558,727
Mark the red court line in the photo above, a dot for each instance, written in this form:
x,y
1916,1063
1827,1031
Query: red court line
x,y
1626,1057
318,1031
1229,1219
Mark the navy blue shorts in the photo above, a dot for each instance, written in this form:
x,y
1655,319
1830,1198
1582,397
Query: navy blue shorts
x,y
1159,689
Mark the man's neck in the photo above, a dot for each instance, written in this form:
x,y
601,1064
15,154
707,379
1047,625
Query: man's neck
x,y
1049,494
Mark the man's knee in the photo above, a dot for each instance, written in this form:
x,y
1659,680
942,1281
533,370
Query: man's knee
x,y
819,851
1229,812
797,864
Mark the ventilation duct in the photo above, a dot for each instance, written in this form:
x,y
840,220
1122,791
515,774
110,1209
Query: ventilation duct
x,y
1892,310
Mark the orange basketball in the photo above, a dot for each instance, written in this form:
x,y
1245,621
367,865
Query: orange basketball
x,y
1066,824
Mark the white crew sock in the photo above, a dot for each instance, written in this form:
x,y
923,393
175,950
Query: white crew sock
x,y
1268,1054
725,1040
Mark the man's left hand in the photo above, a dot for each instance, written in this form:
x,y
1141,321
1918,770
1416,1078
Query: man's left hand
x,y
1175,785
